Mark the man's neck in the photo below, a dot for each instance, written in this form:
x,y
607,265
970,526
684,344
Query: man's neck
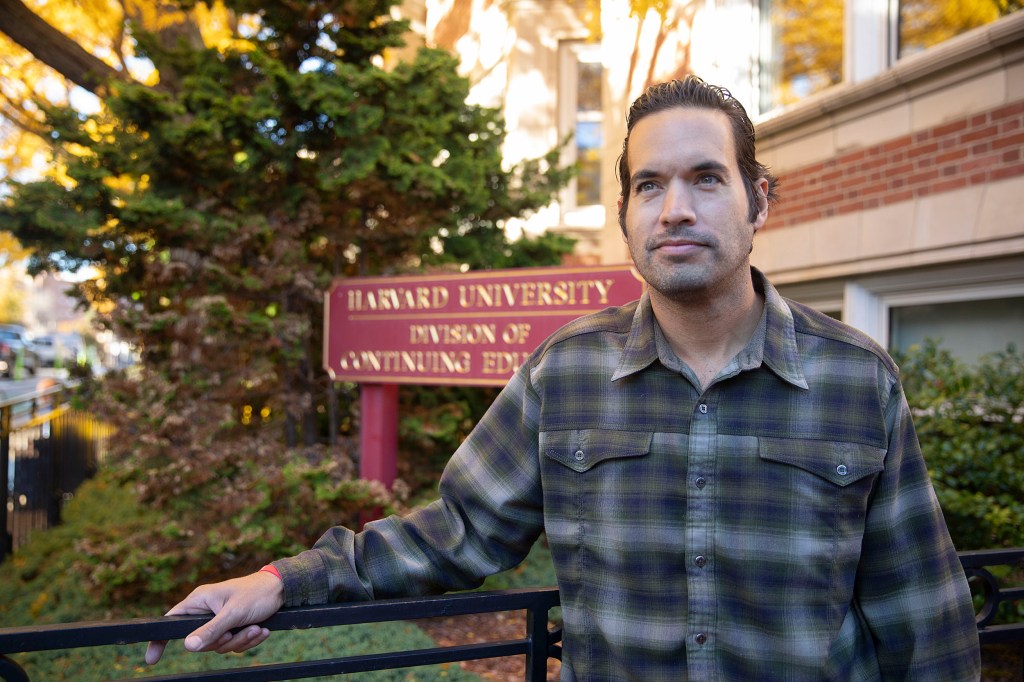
x,y
706,332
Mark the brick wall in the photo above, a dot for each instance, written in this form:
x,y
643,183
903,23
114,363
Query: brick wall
x,y
974,150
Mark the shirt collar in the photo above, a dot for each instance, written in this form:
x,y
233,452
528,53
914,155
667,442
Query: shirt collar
x,y
774,341
781,352
641,347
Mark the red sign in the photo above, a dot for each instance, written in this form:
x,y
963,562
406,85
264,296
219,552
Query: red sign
x,y
474,329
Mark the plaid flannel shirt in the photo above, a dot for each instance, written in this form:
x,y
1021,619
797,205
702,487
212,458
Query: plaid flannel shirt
x,y
778,525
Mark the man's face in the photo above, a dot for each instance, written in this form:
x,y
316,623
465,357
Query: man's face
x,y
687,219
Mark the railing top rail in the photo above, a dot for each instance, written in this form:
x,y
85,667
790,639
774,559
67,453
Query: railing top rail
x,y
35,394
101,633
32,408
976,558
536,601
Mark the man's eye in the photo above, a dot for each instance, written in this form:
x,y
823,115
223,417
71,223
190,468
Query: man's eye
x,y
645,186
709,179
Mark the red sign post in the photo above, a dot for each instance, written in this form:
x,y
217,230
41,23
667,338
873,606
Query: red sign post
x,y
473,329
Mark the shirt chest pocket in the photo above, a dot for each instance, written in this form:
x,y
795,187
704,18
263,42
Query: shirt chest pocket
x,y
596,483
839,463
819,489
580,450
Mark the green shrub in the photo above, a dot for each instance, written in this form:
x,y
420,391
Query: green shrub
x,y
434,422
40,584
969,421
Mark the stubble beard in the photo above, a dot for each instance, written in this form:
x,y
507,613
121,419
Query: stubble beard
x,y
692,280
677,279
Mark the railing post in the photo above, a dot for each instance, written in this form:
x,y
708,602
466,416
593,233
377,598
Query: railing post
x,y
5,458
537,651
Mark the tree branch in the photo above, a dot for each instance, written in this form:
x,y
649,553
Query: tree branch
x,y
21,119
53,48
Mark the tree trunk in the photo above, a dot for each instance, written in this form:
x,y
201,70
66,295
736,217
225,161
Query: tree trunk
x,y
53,48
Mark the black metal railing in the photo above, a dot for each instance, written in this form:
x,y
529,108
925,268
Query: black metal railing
x,y
995,595
538,644
47,449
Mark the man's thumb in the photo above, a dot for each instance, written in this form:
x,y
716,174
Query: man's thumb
x,y
194,642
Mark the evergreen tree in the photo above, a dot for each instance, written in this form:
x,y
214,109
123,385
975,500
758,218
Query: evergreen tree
x,y
219,205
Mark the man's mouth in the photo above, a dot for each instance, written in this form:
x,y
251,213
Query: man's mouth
x,y
678,246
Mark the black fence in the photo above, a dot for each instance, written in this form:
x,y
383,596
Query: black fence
x,y
996,597
47,449
537,645
989,572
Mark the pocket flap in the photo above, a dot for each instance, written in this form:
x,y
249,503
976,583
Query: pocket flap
x,y
583,449
838,462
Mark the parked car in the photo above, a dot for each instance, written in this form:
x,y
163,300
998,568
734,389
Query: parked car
x,y
55,349
46,348
15,344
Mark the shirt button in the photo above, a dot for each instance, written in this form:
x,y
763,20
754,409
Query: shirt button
x,y
700,561
700,638
700,482
703,407
842,470
579,455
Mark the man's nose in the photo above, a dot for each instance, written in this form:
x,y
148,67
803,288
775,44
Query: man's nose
x,y
678,207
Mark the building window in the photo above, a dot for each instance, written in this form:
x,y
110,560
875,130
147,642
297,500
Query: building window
x,y
581,115
967,329
969,308
802,49
924,23
588,137
807,46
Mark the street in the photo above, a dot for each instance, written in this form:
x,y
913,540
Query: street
x,y
15,388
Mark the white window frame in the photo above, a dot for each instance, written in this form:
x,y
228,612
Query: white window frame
x,y
870,38
570,53
867,301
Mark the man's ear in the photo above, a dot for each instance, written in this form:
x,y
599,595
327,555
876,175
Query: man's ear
x,y
761,190
622,226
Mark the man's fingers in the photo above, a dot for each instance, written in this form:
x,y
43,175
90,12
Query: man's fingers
x,y
242,640
210,636
261,636
237,603
222,645
154,651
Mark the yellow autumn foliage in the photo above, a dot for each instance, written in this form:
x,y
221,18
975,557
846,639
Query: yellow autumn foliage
x,y
99,27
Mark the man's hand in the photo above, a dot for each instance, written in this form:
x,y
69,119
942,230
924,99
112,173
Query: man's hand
x,y
236,603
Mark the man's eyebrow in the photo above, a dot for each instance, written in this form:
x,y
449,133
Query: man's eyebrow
x,y
644,174
702,167
711,166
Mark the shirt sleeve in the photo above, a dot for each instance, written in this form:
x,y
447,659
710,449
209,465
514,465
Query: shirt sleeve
x,y
911,586
489,514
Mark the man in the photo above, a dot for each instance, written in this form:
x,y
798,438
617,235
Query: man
x,y
730,483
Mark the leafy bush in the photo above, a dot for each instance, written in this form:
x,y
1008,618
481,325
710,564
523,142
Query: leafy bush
x,y
40,584
434,422
219,499
970,421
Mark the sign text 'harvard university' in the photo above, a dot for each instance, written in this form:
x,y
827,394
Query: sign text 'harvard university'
x,y
476,328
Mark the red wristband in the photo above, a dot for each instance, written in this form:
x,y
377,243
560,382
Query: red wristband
x,y
270,568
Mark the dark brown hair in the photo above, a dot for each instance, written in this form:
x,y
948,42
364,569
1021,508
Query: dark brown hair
x,y
694,92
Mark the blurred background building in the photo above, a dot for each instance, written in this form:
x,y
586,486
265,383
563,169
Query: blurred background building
x,y
896,127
